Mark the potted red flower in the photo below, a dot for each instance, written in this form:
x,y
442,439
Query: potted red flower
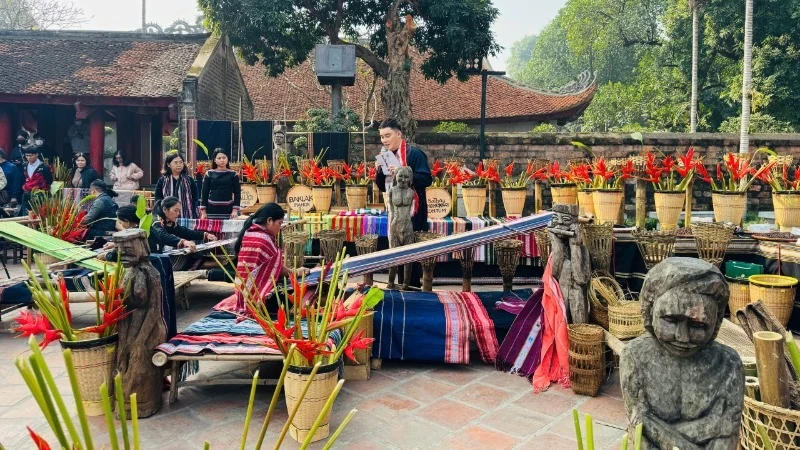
x,y
356,181
259,173
734,176
321,180
473,187
581,175
562,187
608,195
670,177
785,183
514,189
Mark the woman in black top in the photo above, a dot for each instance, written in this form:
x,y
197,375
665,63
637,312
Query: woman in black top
x,y
221,195
82,174
101,216
176,182
165,231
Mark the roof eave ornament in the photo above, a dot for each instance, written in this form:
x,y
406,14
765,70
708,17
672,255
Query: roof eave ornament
x,y
584,80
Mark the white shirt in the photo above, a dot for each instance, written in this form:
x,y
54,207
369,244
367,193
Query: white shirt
x,y
32,167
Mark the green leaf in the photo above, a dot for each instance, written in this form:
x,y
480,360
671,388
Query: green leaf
x,y
145,223
202,146
373,297
56,186
637,136
579,145
141,207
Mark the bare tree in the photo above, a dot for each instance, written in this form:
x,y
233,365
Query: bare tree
x,y
39,14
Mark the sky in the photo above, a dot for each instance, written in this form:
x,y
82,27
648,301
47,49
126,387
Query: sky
x,y
517,18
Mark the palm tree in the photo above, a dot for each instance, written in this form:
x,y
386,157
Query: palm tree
x,y
695,5
747,94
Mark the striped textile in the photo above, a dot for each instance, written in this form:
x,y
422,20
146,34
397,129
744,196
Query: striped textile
x,y
415,252
457,327
224,229
482,327
350,224
363,211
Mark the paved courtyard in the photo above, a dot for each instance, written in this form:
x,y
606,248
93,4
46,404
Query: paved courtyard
x,y
404,405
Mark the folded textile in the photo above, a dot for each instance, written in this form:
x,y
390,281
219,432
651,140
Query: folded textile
x,y
555,342
520,352
363,211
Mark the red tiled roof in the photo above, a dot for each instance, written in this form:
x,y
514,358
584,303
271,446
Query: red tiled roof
x,y
96,63
290,95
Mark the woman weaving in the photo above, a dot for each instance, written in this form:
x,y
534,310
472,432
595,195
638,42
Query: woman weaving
x,y
167,233
259,260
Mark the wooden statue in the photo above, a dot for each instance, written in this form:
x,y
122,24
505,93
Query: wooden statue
x,y
571,263
401,230
685,388
282,184
145,328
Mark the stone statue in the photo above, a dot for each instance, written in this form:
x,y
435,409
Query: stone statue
x,y
571,263
78,134
686,389
401,230
145,328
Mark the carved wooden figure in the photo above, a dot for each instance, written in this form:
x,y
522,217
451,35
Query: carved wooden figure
x,y
571,262
145,328
685,388
401,230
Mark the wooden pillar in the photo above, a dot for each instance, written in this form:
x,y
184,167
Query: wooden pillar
x,y
769,358
537,196
641,203
492,202
97,138
687,222
6,133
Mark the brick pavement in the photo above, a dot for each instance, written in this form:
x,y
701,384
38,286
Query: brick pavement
x,y
404,405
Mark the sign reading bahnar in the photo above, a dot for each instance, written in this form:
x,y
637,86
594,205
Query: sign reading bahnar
x,y
439,203
300,198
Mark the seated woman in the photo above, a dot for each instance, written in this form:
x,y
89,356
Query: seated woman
x,y
259,260
101,216
165,231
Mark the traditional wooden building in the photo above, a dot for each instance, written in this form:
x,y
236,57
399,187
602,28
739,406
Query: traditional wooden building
x,y
100,91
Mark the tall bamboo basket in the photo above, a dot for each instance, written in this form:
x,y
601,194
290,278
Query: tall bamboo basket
x,y
586,202
543,244
625,320
739,296
294,248
312,404
330,244
586,358
94,361
603,291
669,205
321,197
729,206
654,246
782,426
507,253
429,263
514,200
356,197
777,292
266,193
564,193
712,241
607,204
467,258
366,243
787,209
599,240
474,200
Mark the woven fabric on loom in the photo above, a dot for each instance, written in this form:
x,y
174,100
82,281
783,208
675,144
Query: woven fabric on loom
x,y
224,229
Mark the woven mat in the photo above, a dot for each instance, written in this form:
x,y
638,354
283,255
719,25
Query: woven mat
x,y
734,337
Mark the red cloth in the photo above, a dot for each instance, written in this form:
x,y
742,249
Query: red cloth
x,y
482,326
259,262
554,367
97,139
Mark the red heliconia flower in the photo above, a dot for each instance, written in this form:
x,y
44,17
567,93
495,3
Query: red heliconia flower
x,y
280,325
796,183
360,170
309,349
719,172
627,170
373,172
109,319
437,168
359,342
62,288
601,169
41,444
34,324
703,172
509,169
491,174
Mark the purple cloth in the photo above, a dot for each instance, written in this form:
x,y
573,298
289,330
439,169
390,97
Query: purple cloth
x,y
521,351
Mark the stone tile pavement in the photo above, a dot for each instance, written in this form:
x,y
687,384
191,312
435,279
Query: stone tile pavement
x,y
404,405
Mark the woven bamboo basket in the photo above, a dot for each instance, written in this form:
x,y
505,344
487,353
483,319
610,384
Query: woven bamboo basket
x,y
729,206
321,197
711,240
654,246
586,202
543,244
366,243
507,253
603,291
599,241
330,243
625,320
474,200
266,193
294,248
321,388
777,292
669,205
586,358
94,362
739,296
607,203
565,194
514,200
428,264
782,426
467,259
787,209
356,197
362,355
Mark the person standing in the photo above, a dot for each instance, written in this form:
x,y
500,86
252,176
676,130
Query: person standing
x,y
176,182
400,153
221,193
12,193
125,174
38,177
82,174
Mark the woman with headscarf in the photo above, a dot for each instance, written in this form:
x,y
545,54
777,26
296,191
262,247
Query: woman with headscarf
x,y
176,182
221,194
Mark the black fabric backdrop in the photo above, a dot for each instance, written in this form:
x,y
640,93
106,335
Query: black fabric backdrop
x,y
213,134
257,139
338,145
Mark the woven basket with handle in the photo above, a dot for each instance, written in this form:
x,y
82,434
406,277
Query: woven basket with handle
x,y
586,358
777,292
603,291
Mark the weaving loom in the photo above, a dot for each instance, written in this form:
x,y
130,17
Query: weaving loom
x,y
50,245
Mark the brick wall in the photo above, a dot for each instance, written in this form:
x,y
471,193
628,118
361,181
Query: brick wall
x,y
220,84
520,147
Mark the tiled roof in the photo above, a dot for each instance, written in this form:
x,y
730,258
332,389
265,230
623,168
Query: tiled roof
x,y
96,63
290,95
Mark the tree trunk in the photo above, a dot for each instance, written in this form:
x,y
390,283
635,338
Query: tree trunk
x,y
744,139
695,55
396,92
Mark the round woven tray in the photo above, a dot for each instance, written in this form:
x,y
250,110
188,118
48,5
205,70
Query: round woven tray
x,y
625,320
586,358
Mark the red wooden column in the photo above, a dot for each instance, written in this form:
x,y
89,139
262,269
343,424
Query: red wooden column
x,y
97,138
6,134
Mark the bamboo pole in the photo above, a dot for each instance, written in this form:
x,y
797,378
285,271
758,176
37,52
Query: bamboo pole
x,y
751,388
492,202
537,196
641,203
769,358
687,221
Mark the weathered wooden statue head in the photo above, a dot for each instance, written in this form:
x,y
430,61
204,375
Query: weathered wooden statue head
x,y
132,246
403,176
683,302
564,216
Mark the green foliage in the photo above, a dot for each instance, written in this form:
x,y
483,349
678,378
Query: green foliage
x,y
521,53
544,127
759,123
452,127
318,119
